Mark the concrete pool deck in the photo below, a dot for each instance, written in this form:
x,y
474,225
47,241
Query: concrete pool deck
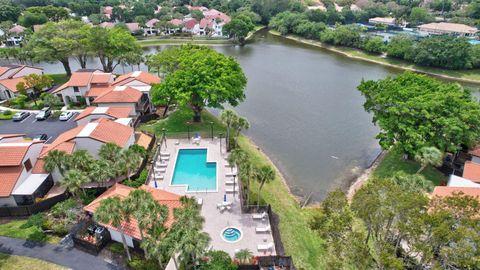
x,y
216,221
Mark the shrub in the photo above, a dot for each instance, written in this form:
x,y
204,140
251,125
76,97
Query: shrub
x,y
88,197
374,45
216,260
139,263
116,248
7,112
135,183
36,220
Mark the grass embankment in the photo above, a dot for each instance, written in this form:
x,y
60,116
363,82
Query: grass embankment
x,y
59,79
394,162
304,245
470,76
13,262
19,229
4,116
178,123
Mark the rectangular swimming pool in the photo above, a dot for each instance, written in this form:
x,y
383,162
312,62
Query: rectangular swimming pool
x,y
193,170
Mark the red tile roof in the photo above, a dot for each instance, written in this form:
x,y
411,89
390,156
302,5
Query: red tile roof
x,y
105,131
152,22
17,29
2,136
120,95
98,91
8,179
442,191
475,151
168,199
116,112
11,84
176,22
141,76
12,155
133,27
471,171
99,77
190,24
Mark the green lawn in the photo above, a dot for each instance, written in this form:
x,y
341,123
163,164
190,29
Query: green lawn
x,y
394,162
13,262
300,242
16,229
59,79
179,122
6,117
183,41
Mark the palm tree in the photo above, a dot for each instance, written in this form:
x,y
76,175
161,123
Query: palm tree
x,y
81,160
113,211
241,123
264,174
130,160
244,256
228,117
246,170
429,156
101,171
55,159
73,181
236,157
110,152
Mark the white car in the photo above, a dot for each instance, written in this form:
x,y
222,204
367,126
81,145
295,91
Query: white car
x,y
65,116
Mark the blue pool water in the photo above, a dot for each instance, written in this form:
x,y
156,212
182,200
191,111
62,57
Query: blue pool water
x,y
231,234
192,169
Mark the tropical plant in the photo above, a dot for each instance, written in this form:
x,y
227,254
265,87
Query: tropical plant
x,y
429,156
110,151
114,212
73,181
129,161
81,160
412,182
55,160
244,256
35,82
228,118
239,125
264,174
101,171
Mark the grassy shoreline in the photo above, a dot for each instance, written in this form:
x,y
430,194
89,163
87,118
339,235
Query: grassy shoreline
x,y
174,41
466,76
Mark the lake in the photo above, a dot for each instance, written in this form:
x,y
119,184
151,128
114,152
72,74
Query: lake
x,y
304,109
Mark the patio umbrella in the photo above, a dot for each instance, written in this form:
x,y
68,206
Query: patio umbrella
x,y
225,197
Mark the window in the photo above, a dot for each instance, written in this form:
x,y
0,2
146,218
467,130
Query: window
x,y
28,165
75,89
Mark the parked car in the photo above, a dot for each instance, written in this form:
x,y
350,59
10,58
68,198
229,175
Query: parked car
x,y
19,116
65,116
40,137
44,114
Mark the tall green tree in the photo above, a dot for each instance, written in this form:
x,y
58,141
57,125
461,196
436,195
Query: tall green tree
x,y
414,111
55,42
114,212
35,82
238,28
9,12
111,45
129,161
263,175
228,118
205,78
110,152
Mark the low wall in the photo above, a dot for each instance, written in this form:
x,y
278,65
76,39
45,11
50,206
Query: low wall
x,y
27,210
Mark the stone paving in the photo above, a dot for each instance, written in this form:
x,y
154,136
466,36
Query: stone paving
x,y
215,220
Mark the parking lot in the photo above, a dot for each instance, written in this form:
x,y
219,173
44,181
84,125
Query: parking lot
x,y
31,126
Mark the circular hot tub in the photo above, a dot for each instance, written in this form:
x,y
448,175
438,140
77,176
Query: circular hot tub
x,y
231,234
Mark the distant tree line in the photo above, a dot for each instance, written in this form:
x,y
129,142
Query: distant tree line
x,y
436,51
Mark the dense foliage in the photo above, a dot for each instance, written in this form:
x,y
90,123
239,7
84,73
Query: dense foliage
x,y
414,111
399,229
198,76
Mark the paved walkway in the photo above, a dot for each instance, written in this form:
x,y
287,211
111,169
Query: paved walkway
x,y
68,257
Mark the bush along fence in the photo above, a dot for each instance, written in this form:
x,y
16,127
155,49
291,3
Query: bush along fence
x,y
27,210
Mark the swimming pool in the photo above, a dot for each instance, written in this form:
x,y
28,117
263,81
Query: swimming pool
x,y
231,234
193,170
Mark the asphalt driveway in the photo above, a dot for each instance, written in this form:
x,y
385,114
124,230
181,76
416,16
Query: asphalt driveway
x,y
30,126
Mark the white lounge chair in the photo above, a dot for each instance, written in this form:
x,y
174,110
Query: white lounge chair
x,y
265,229
160,170
200,201
164,154
230,190
231,173
265,247
231,182
161,164
219,205
259,215
228,207
158,177
163,158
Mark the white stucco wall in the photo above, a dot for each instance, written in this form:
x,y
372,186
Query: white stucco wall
x,y
91,145
116,236
8,201
32,154
69,92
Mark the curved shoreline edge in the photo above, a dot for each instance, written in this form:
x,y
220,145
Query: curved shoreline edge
x,y
346,54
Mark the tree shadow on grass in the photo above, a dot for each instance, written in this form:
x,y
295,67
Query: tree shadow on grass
x,y
5,253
